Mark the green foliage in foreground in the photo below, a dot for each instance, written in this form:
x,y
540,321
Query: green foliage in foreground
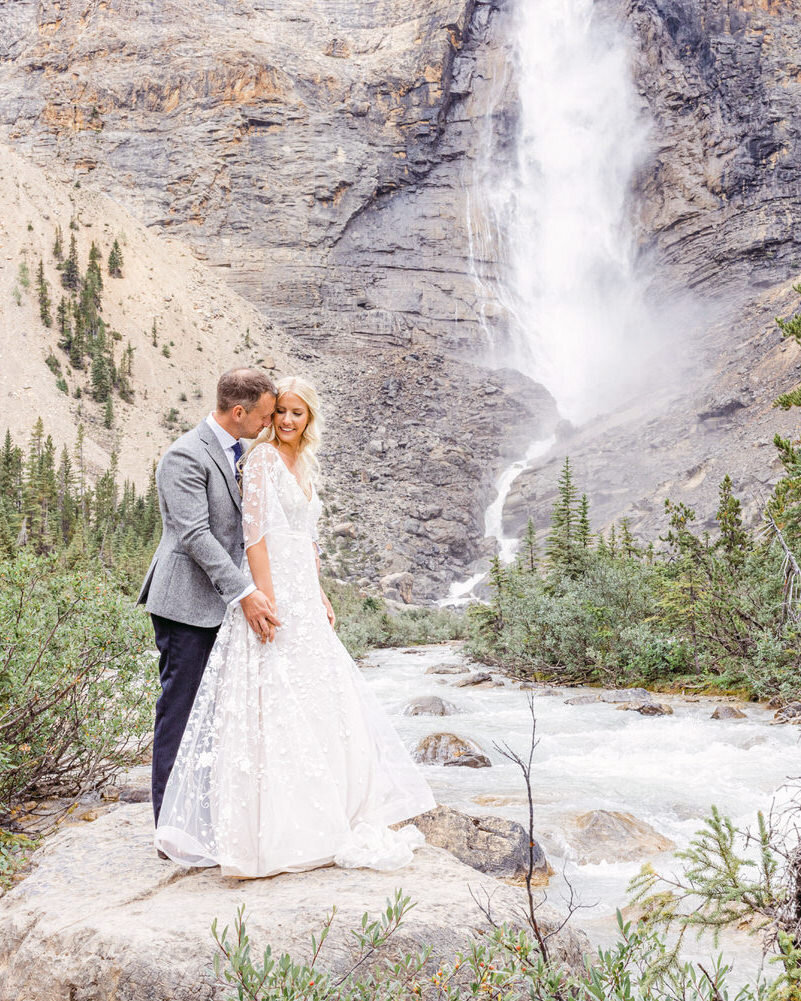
x,y
702,612
364,621
503,964
76,680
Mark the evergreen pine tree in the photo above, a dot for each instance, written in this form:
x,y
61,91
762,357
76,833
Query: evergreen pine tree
x,y
70,272
584,523
67,509
58,245
44,296
7,534
108,413
562,542
527,556
154,334
115,261
78,338
628,544
734,538
101,369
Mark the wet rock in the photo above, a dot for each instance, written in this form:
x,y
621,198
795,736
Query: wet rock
x,y
647,708
490,844
581,700
447,669
626,695
98,908
608,836
448,749
791,713
727,712
430,705
479,678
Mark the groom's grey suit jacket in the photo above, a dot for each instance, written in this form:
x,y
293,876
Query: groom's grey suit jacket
x,y
196,571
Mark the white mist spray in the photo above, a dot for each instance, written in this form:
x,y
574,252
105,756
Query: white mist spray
x,y
580,325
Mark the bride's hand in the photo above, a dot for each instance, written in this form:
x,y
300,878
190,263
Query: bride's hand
x,y
329,611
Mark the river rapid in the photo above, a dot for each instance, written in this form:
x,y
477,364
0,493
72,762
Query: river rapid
x,y
666,771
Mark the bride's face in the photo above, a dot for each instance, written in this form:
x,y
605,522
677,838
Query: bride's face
x,y
290,419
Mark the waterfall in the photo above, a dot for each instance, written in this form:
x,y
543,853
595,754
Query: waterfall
x,y
578,320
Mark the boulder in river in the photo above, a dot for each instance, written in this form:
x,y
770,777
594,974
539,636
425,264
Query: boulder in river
x,y
448,669
727,712
647,708
490,844
791,713
581,700
448,749
430,705
626,695
608,836
101,916
478,678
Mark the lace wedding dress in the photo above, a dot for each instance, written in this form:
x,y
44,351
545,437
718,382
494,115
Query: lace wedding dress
x,y
287,762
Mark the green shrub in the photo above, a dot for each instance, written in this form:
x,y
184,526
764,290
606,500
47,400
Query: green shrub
x,y
365,621
77,684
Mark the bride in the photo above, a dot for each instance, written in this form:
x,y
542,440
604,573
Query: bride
x,y
288,762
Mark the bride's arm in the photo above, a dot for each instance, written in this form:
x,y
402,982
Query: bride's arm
x,y
259,562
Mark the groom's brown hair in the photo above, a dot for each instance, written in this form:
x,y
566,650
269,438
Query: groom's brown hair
x,y
242,387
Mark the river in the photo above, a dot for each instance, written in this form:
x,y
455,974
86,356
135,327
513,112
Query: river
x,y
666,771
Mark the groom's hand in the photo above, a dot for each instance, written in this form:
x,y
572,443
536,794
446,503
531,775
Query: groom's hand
x,y
261,616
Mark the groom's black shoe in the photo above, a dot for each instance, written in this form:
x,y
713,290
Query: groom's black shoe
x,y
162,854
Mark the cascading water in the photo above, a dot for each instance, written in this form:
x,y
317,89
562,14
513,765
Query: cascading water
x,y
576,299
557,219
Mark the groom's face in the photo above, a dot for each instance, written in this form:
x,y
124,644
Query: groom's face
x,y
253,422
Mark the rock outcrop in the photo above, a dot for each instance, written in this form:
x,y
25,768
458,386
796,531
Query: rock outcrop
x,y
449,749
490,844
102,918
608,836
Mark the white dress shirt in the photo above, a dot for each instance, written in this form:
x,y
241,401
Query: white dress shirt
x,y
227,442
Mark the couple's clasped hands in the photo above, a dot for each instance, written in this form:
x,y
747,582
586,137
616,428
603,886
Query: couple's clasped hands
x,y
261,615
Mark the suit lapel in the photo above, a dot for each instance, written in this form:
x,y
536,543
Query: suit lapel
x,y
215,450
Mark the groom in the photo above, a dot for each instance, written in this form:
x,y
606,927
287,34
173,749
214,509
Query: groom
x,y
195,573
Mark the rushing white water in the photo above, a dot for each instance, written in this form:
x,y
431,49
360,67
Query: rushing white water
x,y
461,592
580,321
665,771
493,518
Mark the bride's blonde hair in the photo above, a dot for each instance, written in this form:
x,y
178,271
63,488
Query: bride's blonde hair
x,y
307,466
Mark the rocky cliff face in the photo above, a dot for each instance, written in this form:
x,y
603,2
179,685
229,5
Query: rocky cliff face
x,y
720,200
324,161
322,166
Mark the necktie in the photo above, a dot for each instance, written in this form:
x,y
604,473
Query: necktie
x,y
237,449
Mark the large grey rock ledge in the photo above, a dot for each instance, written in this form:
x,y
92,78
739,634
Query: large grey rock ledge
x,y
102,919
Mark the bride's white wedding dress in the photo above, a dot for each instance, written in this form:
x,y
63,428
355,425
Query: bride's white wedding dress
x,y
287,762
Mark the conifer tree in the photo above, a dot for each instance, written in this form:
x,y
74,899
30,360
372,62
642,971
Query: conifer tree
x,y
628,544
44,296
584,523
115,262
70,272
527,556
11,474
561,547
734,541
58,245
108,413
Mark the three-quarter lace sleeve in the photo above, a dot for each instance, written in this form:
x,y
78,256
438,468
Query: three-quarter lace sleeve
x,y
258,493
